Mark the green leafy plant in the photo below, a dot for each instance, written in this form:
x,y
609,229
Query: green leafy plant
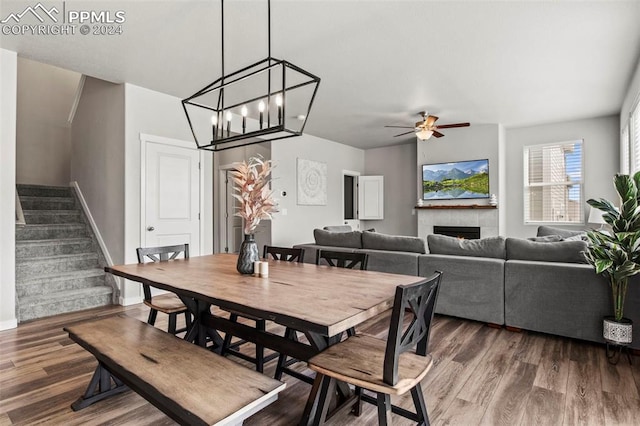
x,y
615,253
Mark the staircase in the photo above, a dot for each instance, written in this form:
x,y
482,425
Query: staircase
x,y
58,262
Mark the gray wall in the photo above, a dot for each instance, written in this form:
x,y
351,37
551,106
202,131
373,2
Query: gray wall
x,y
399,188
97,159
8,78
601,162
45,97
298,224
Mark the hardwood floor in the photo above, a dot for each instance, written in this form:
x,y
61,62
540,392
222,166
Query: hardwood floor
x,y
481,376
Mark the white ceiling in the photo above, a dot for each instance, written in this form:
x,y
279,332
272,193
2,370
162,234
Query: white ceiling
x,y
511,62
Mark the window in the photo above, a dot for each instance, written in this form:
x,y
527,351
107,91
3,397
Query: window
x,y
624,151
553,181
634,138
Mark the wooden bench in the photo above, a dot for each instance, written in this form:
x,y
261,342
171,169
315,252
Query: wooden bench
x,y
188,383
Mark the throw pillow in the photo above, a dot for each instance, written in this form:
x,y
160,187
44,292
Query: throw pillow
x,y
547,239
579,237
377,241
338,228
561,251
485,247
338,239
550,230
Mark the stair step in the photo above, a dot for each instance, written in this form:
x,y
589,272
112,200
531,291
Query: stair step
x,y
40,306
47,232
43,191
52,216
61,282
43,266
55,247
47,203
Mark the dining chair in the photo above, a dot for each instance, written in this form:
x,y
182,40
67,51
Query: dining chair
x,y
385,368
169,303
276,253
339,259
342,259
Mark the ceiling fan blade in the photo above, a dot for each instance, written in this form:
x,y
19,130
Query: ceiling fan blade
x,y
402,134
449,126
401,127
437,134
430,120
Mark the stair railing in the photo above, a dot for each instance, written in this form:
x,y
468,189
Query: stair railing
x,y
19,214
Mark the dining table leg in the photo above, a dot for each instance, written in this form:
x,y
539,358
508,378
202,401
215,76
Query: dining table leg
x,y
198,332
343,392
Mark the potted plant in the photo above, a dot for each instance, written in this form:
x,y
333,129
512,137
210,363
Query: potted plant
x,y
615,253
251,186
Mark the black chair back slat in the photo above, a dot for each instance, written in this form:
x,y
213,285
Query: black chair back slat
x,y
419,299
284,253
343,259
160,254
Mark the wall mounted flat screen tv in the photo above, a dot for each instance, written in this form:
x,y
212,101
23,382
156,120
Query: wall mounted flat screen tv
x,y
455,181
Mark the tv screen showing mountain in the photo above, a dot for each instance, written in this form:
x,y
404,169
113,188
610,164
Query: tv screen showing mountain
x,y
457,180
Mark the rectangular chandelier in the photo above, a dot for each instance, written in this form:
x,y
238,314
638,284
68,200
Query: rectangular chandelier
x,y
266,101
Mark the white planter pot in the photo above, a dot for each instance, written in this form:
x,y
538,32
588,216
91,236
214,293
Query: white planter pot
x,y
616,332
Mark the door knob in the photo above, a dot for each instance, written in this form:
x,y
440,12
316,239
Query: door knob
x,y
150,228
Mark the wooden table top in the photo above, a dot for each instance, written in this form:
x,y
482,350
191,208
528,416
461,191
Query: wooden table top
x,y
304,296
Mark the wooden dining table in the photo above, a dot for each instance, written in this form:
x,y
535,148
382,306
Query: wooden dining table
x,y
320,301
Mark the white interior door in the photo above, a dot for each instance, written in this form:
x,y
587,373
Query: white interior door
x,y
171,196
371,197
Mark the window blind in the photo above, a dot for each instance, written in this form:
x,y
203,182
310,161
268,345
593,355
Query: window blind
x,y
553,183
635,138
624,151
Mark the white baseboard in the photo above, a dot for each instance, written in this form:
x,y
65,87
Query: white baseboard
x,y
9,324
129,301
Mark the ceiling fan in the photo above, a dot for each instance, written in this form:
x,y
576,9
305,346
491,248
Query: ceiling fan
x,y
426,128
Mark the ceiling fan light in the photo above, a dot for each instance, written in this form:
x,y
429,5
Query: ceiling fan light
x,y
424,134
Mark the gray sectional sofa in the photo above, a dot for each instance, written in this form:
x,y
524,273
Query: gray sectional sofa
x,y
542,285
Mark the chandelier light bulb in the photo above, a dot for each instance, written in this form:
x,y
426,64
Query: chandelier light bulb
x,y
229,116
261,106
244,112
279,100
214,120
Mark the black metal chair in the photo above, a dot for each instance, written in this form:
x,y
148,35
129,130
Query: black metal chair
x,y
277,253
169,304
339,259
386,368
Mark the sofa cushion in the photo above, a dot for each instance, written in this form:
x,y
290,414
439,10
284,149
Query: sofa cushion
x,y
393,262
550,230
561,251
377,241
486,247
338,239
338,228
